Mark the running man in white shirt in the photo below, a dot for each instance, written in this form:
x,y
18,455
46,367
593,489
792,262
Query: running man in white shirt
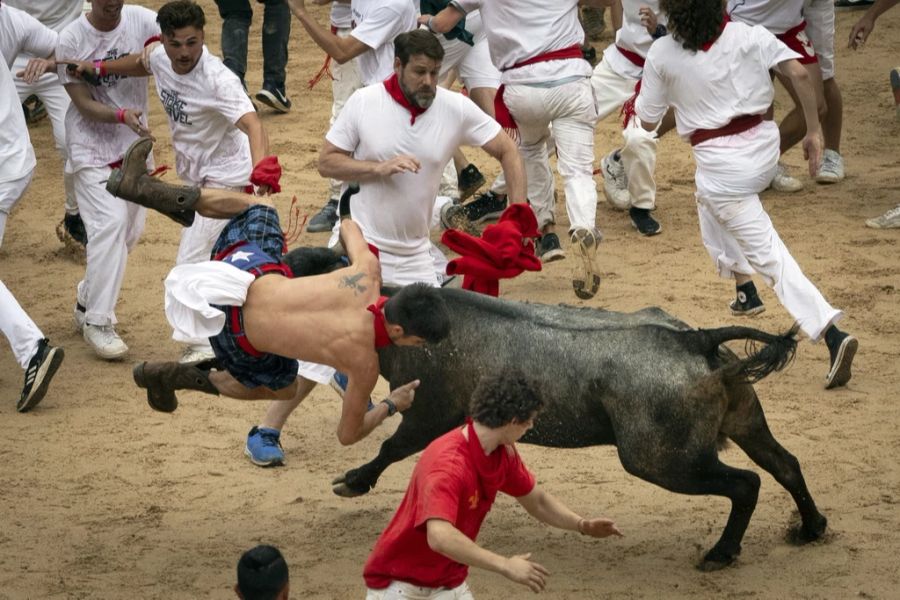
x,y
101,124
537,47
628,181
216,134
719,103
55,14
20,32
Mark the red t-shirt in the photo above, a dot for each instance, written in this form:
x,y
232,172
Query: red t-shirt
x,y
453,481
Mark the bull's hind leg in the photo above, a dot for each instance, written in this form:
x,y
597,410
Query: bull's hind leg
x,y
411,436
746,424
706,475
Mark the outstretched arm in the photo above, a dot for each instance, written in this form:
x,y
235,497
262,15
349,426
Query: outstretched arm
x,y
341,49
546,508
97,111
339,164
863,28
446,539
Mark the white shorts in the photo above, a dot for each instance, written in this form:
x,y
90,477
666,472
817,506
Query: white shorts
x,y
819,17
191,289
398,590
474,62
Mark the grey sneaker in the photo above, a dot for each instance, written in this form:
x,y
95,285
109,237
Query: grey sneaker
x,y
832,168
615,183
784,182
325,219
104,341
889,220
586,276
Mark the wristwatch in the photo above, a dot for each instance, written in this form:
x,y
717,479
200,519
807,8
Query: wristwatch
x,y
392,408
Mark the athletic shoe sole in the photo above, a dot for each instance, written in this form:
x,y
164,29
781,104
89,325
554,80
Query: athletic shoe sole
x,y
45,373
272,101
840,371
552,255
756,310
585,278
609,187
275,462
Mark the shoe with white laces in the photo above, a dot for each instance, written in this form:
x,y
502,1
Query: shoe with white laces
x,y
196,353
831,170
586,275
615,182
784,182
105,342
889,220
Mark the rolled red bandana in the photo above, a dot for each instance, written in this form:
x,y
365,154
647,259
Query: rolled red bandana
x,y
267,172
382,338
725,20
392,85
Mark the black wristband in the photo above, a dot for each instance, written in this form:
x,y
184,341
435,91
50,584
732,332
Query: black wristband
x,y
392,408
661,31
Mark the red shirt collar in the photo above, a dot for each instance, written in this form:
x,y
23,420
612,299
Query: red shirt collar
x,y
392,85
382,338
725,20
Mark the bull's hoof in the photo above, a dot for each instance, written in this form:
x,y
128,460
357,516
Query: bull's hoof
x,y
799,535
716,560
345,489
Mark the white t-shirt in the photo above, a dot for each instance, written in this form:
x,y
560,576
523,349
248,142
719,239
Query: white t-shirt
x,y
341,16
55,14
18,32
777,17
632,36
709,89
203,107
521,29
376,24
394,212
91,143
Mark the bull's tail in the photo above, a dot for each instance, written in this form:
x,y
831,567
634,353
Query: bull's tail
x,y
775,355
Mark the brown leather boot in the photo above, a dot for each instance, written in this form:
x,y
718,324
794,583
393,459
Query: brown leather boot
x,y
131,182
161,379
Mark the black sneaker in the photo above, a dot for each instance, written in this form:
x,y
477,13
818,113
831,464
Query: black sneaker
x,y
34,109
469,180
40,371
549,249
643,222
841,349
325,219
485,206
74,226
747,302
274,97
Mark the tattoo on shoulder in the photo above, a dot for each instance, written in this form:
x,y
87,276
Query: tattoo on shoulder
x,y
353,282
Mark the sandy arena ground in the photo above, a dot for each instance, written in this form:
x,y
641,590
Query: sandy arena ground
x,y
101,497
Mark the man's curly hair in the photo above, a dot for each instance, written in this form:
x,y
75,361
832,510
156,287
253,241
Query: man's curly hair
x,y
693,23
506,397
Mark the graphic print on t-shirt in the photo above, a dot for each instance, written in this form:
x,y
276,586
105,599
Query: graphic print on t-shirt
x,y
110,80
174,106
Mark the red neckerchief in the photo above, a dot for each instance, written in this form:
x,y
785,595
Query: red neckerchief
x,y
725,20
392,85
382,338
489,466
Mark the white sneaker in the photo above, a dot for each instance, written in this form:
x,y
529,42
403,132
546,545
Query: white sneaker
x,y
586,274
889,220
105,342
832,168
783,182
615,182
196,353
78,315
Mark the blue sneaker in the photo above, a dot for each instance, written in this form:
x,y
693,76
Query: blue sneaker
x,y
338,383
264,447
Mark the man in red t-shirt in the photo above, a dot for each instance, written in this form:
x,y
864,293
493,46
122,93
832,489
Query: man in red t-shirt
x,y
427,548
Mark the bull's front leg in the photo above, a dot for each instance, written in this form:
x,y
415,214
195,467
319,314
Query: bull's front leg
x,y
413,435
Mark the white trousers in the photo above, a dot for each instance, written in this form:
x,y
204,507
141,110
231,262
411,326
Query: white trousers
x,y
737,231
570,109
399,590
21,332
819,17
10,193
473,62
346,81
56,100
611,90
113,228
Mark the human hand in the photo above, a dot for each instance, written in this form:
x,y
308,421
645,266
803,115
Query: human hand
x,y
145,55
35,68
812,150
521,570
296,6
83,70
598,528
398,164
860,32
648,19
263,190
132,119
403,396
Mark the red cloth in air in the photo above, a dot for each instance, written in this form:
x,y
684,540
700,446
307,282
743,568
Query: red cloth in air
x,y
267,172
